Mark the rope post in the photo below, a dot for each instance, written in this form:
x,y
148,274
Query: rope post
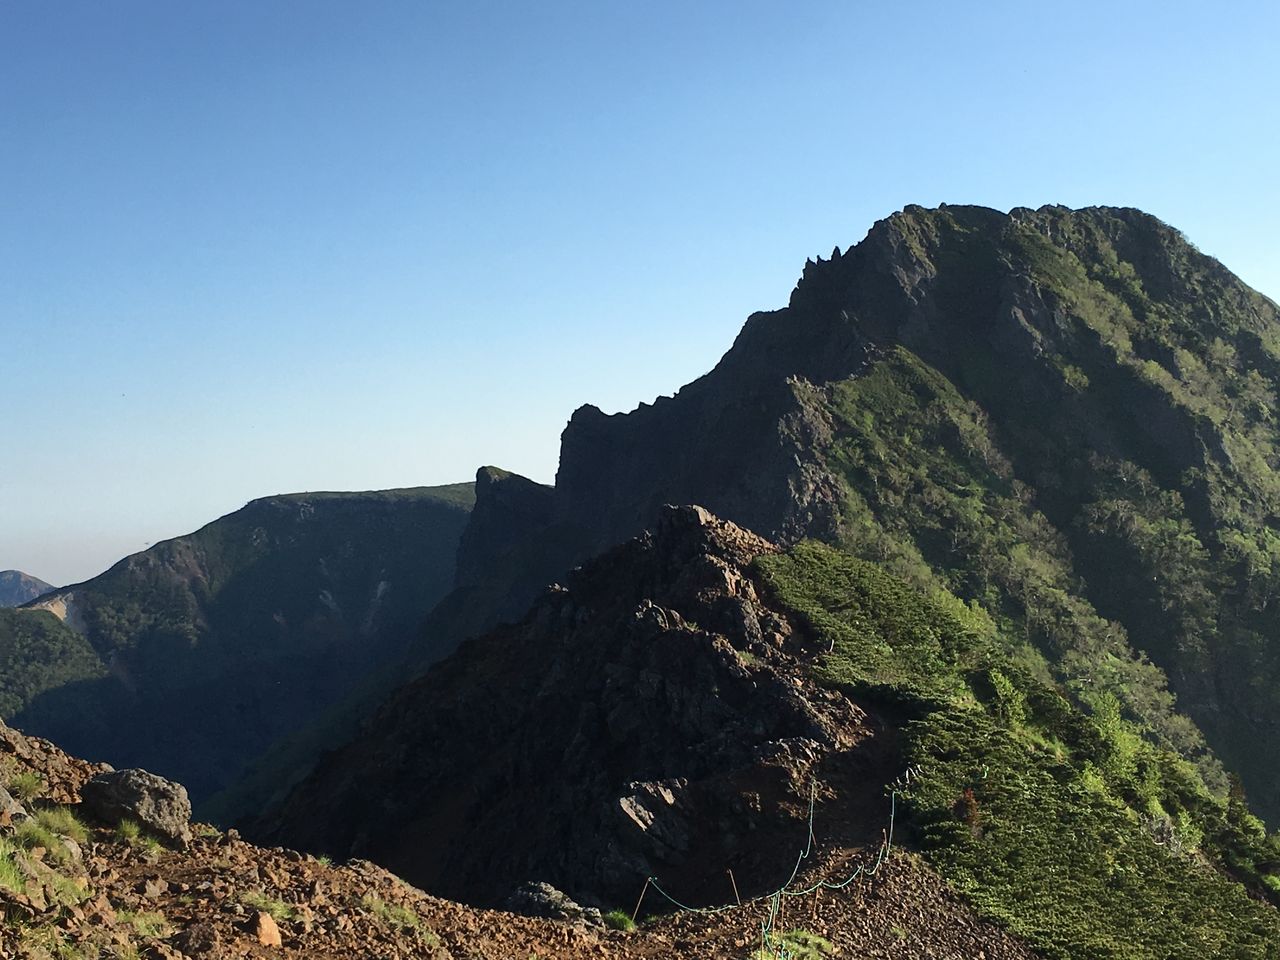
x,y
643,890
734,883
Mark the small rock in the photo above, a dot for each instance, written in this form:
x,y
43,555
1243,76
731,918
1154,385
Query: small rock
x,y
153,888
266,931
199,940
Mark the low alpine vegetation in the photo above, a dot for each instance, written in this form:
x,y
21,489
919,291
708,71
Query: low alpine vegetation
x,y
1064,821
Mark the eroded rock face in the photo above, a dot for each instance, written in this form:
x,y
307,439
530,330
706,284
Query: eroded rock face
x,y
629,725
159,805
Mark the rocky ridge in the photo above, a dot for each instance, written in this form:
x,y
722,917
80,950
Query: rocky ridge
x,y
75,887
645,719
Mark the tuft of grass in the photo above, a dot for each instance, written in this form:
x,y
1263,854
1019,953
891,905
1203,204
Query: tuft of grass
x,y
794,945
63,822
48,943
402,918
25,786
619,920
30,834
128,831
399,918
258,900
147,923
12,876
67,891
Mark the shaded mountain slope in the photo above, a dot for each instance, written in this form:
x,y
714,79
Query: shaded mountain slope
x,y
16,588
503,557
675,708
38,652
217,644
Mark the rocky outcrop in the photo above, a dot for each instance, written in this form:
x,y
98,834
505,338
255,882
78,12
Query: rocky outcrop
x,y
159,806
16,588
635,721
537,899
510,550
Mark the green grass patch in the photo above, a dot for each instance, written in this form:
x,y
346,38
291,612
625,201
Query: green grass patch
x,y
146,923
619,920
12,876
30,834
258,900
400,918
25,786
61,821
794,945
1061,822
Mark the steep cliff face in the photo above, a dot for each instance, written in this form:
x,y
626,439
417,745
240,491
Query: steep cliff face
x,y
216,644
16,588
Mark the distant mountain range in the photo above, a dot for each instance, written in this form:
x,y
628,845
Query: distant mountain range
x,y
16,588
201,652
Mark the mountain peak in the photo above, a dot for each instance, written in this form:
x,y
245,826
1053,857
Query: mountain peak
x,y
17,588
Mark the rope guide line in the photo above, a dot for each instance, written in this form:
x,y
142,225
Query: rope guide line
x,y
775,898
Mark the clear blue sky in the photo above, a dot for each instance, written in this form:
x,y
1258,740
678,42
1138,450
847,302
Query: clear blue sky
x,y
255,247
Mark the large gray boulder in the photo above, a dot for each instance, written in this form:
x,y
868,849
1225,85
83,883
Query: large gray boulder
x,y
158,805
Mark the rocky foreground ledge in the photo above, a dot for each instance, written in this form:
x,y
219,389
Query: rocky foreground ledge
x,y
96,863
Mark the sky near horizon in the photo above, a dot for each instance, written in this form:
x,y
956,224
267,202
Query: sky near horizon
x,y
254,247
